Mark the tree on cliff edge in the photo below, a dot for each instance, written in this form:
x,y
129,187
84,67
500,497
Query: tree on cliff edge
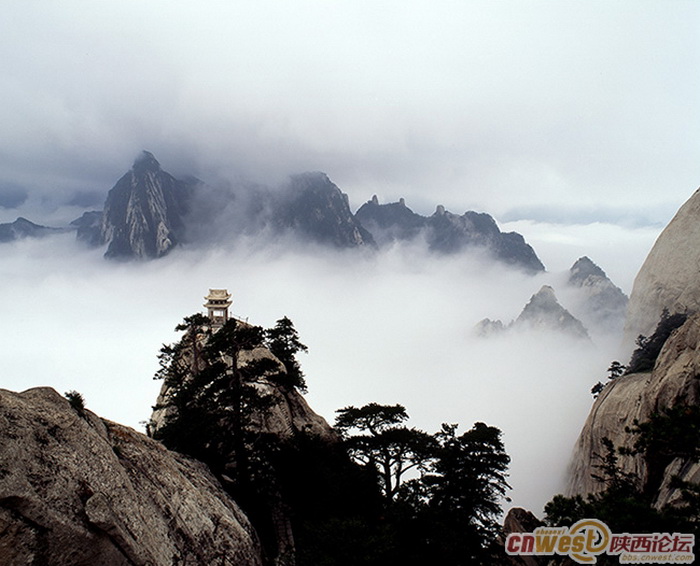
x,y
283,341
380,442
218,392
216,398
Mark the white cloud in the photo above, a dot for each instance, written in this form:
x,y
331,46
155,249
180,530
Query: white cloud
x,y
503,107
392,328
484,105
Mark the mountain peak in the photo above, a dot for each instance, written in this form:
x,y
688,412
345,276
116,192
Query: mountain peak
x,y
146,161
584,268
308,178
601,304
143,214
545,312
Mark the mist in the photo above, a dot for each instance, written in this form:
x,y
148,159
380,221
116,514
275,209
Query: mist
x,y
391,327
505,107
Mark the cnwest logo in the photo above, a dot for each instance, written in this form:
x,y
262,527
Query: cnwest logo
x,y
584,541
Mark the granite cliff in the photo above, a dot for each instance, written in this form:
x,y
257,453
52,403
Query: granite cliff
x,y
77,490
668,279
636,397
665,290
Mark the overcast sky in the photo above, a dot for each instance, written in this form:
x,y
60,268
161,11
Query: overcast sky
x,y
574,123
573,111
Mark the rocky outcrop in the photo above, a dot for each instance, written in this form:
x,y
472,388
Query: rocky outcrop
x,y
614,410
636,397
446,232
601,304
313,207
23,228
666,284
280,413
144,213
76,490
519,521
668,278
288,414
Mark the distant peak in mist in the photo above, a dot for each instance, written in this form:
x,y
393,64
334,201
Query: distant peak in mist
x,y
447,233
601,302
23,228
146,161
593,302
542,312
583,268
311,177
144,211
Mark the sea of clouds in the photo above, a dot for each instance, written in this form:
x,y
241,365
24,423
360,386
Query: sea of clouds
x,y
392,327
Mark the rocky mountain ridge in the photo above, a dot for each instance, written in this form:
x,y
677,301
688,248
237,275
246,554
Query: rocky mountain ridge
x,y
446,232
23,228
148,213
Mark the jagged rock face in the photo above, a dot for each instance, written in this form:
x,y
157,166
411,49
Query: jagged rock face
x,y
143,214
23,228
603,303
88,227
390,222
673,381
543,312
80,491
446,232
669,276
316,208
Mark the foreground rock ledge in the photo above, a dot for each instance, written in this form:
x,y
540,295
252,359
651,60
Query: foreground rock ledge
x,y
79,491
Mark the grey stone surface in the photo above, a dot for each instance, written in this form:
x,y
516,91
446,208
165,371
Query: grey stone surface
x,y
669,276
82,491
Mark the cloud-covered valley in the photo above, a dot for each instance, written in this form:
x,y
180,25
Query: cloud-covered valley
x,y
392,327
